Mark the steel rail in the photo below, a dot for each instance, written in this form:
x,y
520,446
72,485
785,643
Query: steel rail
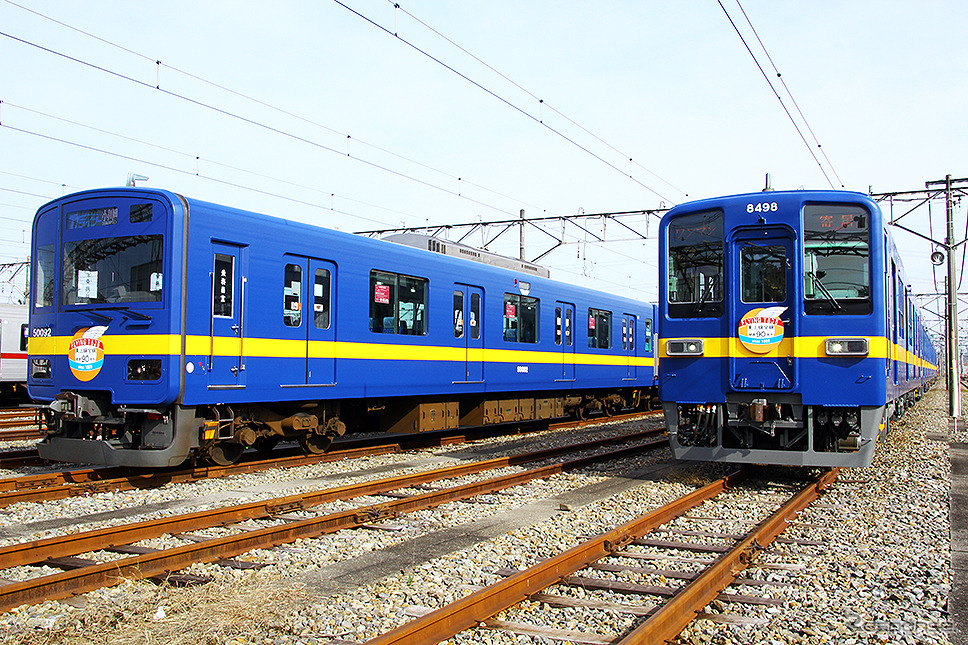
x,y
62,585
75,543
89,481
481,605
672,617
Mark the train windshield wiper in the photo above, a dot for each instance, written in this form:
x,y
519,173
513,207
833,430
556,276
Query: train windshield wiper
x,y
823,290
704,296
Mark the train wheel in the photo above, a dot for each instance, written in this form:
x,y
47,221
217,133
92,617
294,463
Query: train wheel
x,y
315,444
225,453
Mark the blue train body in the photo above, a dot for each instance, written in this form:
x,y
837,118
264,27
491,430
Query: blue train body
x,y
164,327
788,334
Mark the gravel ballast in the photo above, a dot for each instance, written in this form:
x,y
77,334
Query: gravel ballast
x,y
880,573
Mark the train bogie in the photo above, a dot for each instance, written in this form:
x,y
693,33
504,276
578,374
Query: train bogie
x,y
164,327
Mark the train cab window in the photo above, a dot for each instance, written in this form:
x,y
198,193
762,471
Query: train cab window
x,y
398,304
44,276
113,269
321,304
599,328
696,265
139,213
648,336
520,318
458,314
763,273
292,295
836,259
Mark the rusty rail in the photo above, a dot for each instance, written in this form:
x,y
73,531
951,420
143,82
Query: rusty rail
x,y
65,584
663,625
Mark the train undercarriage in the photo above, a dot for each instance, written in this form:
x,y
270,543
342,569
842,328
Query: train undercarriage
x,y
87,427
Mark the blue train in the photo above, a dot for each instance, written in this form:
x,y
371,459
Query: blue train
x,y
163,328
787,332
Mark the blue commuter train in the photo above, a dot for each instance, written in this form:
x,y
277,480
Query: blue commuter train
x,y
164,328
787,332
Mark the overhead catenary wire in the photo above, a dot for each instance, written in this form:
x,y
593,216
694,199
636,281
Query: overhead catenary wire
x,y
777,94
160,65
542,102
790,94
503,100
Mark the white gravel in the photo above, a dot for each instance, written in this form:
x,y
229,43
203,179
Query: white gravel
x,y
881,574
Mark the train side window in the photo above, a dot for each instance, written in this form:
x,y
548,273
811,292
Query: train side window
x,y
292,295
398,304
321,306
520,318
599,328
458,314
44,276
224,279
648,336
24,336
695,275
836,259
475,320
763,273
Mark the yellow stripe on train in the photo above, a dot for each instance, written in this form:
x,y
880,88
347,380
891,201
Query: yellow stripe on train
x,y
170,345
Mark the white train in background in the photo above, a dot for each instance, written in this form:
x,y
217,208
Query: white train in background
x,y
13,354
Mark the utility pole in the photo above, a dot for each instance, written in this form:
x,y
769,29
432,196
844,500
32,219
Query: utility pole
x,y
521,237
954,350
950,188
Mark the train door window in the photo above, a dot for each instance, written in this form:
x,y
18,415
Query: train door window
x,y
321,301
292,295
625,334
648,336
599,328
559,324
475,320
696,265
569,337
24,335
44,276
836,259
520,318
763,273
224,279
458,314
398,304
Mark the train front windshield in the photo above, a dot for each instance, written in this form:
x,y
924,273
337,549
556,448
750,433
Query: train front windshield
x,y
109,255
836,250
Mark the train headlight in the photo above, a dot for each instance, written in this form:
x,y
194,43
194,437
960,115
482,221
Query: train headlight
x,y
684,347
848,347
40,368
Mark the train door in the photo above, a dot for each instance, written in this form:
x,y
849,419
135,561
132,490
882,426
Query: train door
x,y
629,346
895,323
227,330
468,326
763,314
565,338
308,320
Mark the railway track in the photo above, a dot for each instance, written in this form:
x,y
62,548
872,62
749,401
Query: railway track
x,y
106,557
18,424
584,567
89,481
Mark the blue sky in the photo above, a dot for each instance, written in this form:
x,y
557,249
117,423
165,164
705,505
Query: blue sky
x,y
355,129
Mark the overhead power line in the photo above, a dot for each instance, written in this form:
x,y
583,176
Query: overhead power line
x,y
398,7
773,88
503,100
